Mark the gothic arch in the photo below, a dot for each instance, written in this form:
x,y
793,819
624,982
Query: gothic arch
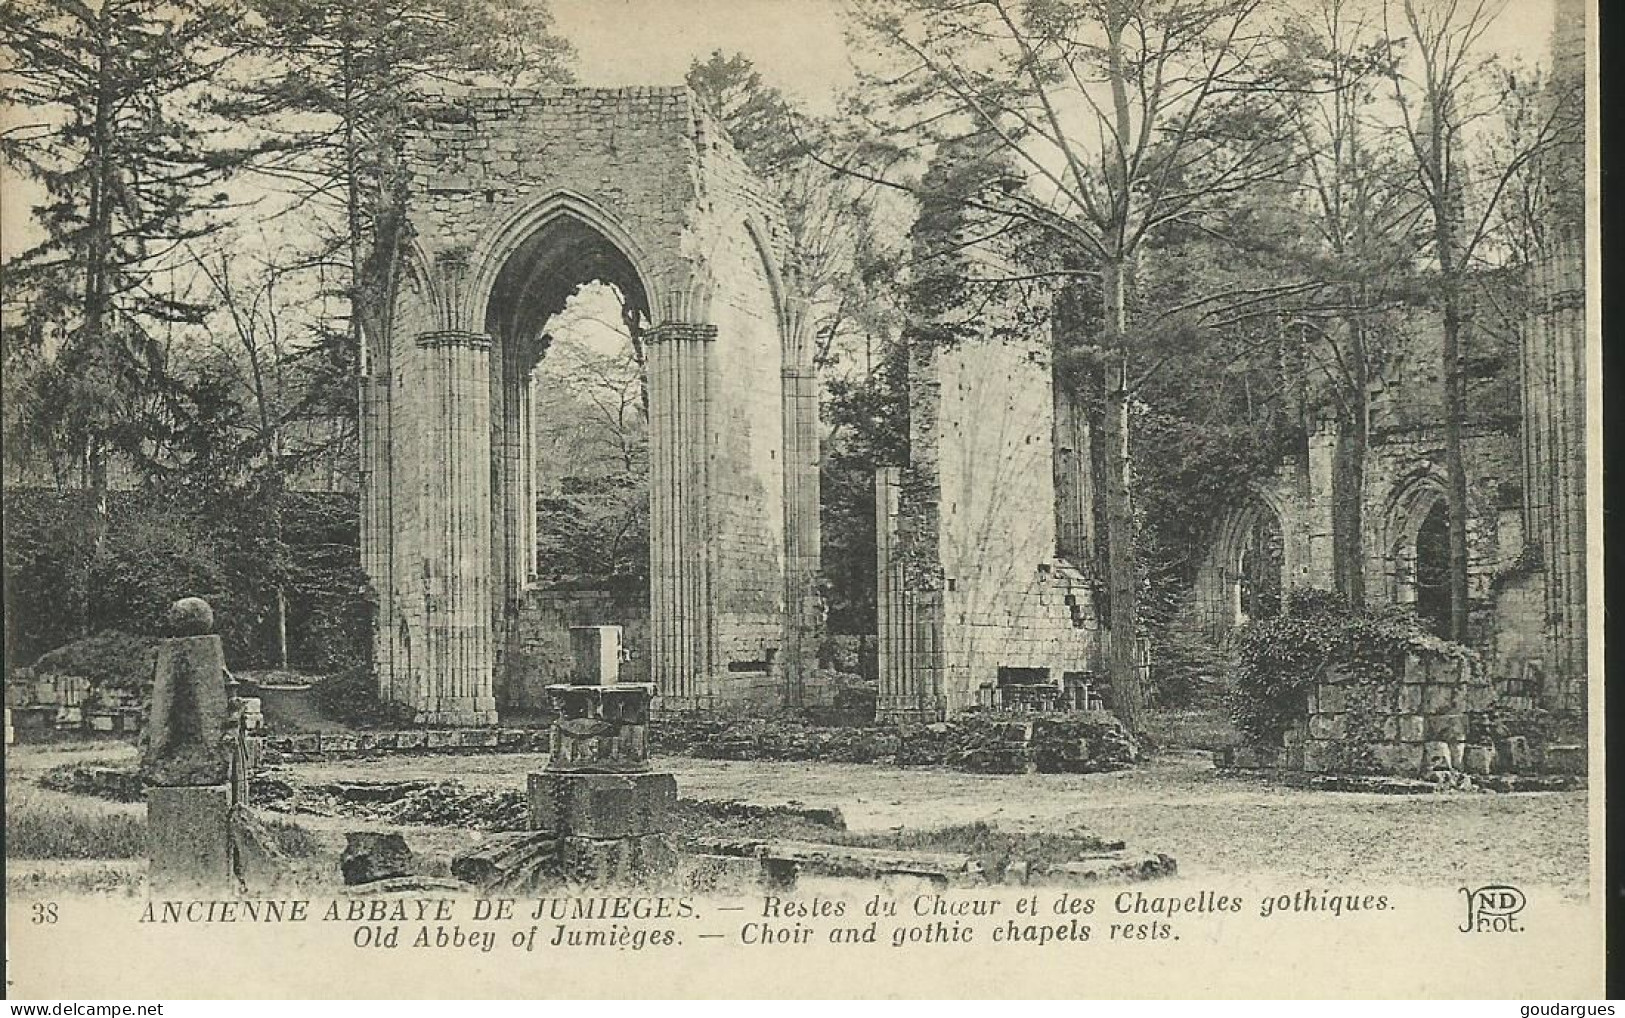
x,y
492,253
1413,498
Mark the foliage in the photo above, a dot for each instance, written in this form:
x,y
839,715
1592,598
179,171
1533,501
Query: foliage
x,y
867,417
165,544
110,659
351,697
1279,659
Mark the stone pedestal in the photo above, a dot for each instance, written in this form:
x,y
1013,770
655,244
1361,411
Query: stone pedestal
x,y
188,835
188,714
609,812
600,729
602,805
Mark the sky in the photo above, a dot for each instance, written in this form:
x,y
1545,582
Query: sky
x,y
798,45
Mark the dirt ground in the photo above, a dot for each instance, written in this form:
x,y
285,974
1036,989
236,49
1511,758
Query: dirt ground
x,y
1214,825
1211,823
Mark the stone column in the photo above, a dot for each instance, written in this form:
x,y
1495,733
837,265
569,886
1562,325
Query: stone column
x,y
377,524
802,555
457,531
1320,572
681,626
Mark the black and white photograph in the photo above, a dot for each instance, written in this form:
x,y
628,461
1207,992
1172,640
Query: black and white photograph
x,y
549,499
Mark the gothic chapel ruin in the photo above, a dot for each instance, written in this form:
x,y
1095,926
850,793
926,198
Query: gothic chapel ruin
x,y
517,199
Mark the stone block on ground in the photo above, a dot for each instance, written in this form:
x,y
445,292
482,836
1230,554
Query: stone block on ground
x,y
1402,759
1565,759
509,862
1435,757
189,835
617,862
1476,759
601,805
374,855
706,873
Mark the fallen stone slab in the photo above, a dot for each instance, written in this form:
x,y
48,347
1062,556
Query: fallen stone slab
x,y
508,861
1530,782
1106,870
409,885
1377,783
847,861
370,856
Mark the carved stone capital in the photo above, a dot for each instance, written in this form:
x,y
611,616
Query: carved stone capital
x,y
670,332
444,338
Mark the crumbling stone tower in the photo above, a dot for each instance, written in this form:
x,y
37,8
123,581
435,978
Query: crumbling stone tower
x,y
517,199
981,538
1555,352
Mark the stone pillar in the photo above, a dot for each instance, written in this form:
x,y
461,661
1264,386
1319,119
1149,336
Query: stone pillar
x,y
377,522
183,759
457,532
904,626
803,612
682,633
1317,570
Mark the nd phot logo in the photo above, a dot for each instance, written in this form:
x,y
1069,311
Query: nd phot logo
x,y
1493,909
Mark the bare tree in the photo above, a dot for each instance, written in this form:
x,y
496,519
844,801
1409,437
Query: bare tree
x,y
1445,88
1123,119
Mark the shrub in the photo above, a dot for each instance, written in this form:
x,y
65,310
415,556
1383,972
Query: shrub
x,y
111,659
1280,659
351,697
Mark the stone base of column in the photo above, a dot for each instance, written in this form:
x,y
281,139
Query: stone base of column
x,y
459,711
617,862
602,805
189,836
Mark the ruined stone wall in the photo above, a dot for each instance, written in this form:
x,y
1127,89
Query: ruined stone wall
x,y
1408,727
544,655
983,588
1007,602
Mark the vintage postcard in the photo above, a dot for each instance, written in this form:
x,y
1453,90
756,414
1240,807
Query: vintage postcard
x,y
801,498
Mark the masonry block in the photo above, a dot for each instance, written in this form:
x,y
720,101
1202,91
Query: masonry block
x,y
601,805
188,835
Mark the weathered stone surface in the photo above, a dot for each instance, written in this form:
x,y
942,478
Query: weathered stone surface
x,y
1513,754
714,874
617,862
601,805
1476,759
190,616
374,855
1566,759
1436,757
509,862
189,835
188,714
733,485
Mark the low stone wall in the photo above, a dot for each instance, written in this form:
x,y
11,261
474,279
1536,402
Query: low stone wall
x,y
993,744
1408,728
1440,720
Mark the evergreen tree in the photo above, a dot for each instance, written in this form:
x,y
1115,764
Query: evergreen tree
x,y
105,122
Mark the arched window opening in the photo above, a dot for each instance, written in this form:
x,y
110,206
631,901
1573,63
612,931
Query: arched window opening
x,y
1433,569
